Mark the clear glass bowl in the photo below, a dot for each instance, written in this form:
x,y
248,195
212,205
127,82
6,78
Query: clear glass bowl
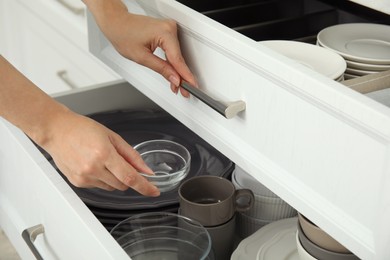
x,y
169,161
162,235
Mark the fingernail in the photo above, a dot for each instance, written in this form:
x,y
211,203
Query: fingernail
x,y
155,192
174,80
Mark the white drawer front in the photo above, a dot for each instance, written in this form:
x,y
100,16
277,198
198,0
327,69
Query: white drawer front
x,y
32,192
320,146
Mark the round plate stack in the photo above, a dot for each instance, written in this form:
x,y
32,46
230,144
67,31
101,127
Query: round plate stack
x,y
364,46
275,240
321,60
135,127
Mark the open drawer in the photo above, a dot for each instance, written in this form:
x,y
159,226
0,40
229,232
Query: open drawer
x,y
322,147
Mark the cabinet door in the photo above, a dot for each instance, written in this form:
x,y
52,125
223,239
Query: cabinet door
x,y
45,56
323,148
67,17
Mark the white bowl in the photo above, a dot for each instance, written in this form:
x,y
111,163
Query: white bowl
x,y
247,181
267,208
319,252
319,236
246,225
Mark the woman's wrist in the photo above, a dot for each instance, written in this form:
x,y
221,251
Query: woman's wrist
x,y
106,12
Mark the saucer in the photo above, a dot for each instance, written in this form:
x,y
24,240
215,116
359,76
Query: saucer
x,y
276,240
311,56
361,42
367,66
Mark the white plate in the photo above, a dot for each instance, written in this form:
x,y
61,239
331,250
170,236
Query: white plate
x,y
363,42
322,60
358,72
273,241
365,66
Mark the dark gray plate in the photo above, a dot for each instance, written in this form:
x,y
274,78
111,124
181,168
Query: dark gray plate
x,y
138,126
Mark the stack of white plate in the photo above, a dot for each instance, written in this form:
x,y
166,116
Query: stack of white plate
x,y
364,46
275,241
324,61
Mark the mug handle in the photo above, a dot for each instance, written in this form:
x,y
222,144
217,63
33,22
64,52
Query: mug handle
x,y
246,195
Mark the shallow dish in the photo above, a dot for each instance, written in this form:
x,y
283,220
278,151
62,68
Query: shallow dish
x,y
367,66
170,162
275,241
319,252
319,236
162,235
361,42
311,56
358,72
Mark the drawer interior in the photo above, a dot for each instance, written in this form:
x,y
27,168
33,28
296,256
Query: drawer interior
x,y
129,113
284,19
296,20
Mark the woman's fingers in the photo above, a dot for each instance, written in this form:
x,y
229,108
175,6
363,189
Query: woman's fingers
x,y
130,177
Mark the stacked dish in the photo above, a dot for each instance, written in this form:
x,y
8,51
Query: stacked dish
x,y
314,243
364,46
324,61
273,241
267,207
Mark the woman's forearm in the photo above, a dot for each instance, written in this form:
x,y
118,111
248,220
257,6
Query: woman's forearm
x,y
25,105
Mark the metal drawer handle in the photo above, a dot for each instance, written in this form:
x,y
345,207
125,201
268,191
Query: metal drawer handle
x,y
73,9
227,109
29,235
63,74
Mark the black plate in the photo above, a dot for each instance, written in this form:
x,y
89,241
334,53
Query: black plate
x,y
138,126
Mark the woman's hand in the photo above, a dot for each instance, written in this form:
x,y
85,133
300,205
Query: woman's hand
x,y
91,155
136,37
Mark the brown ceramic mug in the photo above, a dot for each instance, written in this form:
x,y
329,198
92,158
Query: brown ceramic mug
x,y
212,200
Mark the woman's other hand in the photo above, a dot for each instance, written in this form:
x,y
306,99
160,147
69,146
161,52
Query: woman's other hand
x,y
136,37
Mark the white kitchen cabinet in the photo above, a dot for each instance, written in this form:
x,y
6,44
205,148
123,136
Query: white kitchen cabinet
x,y
47,43
322,147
